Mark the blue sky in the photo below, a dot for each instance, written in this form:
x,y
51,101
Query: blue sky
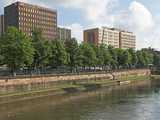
x,y
140,16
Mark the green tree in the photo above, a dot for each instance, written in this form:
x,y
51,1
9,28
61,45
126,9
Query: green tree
x,y
123,58
148,56
120,57
141,59
42,49
114,60
151,55
127,58
134,58
89,55
17,49
59,55
74,53
103,55
100,52
1,56
156,60
107,58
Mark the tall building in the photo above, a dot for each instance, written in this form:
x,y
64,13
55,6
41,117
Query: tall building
x,y
127,40
27,17
64,34
110,36
91,36
1,24
102,35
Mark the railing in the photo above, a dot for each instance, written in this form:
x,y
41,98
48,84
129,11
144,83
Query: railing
x,y
50,74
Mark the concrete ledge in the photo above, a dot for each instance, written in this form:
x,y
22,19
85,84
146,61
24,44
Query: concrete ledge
x,y
49,79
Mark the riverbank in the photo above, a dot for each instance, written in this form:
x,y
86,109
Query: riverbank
x,y
64,104
155,77
38,87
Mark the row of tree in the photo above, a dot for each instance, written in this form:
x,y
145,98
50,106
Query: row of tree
x,y
17,50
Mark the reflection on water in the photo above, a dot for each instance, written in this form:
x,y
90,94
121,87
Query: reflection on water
x,y
140,102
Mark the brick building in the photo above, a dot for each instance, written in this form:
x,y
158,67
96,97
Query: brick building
x,y
27,17
110,36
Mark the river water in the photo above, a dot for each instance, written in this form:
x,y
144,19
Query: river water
x,y
133,102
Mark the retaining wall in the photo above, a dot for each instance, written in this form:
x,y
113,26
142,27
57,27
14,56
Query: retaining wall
x,y
29,83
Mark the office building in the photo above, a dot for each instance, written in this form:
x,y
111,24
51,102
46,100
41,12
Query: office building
x,y
127,40
64,34
110,36
102,35
27,17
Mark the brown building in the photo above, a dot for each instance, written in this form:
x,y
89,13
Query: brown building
x,y
91,36
110,36
64,33
1,24
28,17
102,35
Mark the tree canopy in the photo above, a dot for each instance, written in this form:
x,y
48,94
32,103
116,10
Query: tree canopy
x,y
17,50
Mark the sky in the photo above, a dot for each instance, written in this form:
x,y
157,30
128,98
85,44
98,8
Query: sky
x,y
139,16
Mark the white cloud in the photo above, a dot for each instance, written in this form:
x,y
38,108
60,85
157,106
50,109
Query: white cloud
x,y
145,25
141,17
77,31
141,22
94,10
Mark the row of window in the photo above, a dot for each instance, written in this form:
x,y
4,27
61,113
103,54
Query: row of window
x,y
128,46
36,11
126,43
30,29
45,17
39,25
37,21
128,36
128,40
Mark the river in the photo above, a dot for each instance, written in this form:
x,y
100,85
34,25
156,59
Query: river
x,y
133,102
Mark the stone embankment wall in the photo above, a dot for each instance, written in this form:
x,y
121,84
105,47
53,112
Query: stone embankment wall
x,y
28,83
138,72
48,79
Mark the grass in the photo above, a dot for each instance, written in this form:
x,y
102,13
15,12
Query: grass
x,y
77,85
59,87
134,78
157,77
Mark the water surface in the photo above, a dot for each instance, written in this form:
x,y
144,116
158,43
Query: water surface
x,y
134,102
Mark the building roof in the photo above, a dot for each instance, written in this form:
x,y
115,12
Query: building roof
x,y
109,28
31,5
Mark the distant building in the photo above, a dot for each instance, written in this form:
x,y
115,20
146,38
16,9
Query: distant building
x,y
1,24
102,35
127,40
64,34
27,17
110,36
